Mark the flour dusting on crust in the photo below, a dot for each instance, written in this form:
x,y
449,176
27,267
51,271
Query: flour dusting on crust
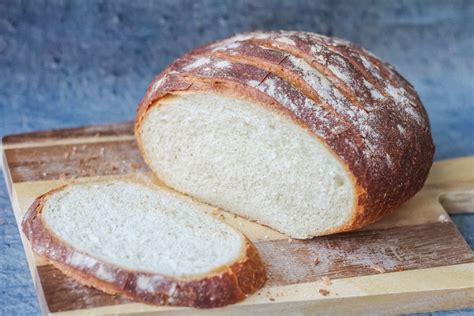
x,y
359,106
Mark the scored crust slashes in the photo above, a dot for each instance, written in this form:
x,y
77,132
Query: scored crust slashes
x,y
358,106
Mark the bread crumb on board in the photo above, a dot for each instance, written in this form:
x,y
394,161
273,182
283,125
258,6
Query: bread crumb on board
x,y
214,211
378,268
326,280
270,296
324,292
443,218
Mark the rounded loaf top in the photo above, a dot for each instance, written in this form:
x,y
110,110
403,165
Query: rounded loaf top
x,y
355,104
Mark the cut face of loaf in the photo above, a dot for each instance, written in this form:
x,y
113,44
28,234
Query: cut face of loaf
x,y
307,134
243,157
145,242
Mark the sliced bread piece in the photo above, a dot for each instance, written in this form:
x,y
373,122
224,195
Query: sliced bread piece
x,y
307,134
143,241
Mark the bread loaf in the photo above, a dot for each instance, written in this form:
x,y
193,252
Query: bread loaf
x,y
304,133
145,242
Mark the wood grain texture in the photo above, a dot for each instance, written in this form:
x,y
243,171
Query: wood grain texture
x,y
412,260
458,202
73,161
333,257
364,253
64,293
388,293
99,131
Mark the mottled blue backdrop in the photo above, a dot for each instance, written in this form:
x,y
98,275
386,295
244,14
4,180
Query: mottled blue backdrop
x,y
70,63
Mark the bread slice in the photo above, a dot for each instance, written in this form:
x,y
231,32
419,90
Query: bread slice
x,y
307,134
143,241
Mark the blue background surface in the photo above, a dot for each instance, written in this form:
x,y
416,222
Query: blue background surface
x,y
70,63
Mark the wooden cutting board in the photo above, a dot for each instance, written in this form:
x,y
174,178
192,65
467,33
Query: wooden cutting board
x,y
413,260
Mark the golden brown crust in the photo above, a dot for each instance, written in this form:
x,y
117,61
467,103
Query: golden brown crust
x,y
229,285
370,116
